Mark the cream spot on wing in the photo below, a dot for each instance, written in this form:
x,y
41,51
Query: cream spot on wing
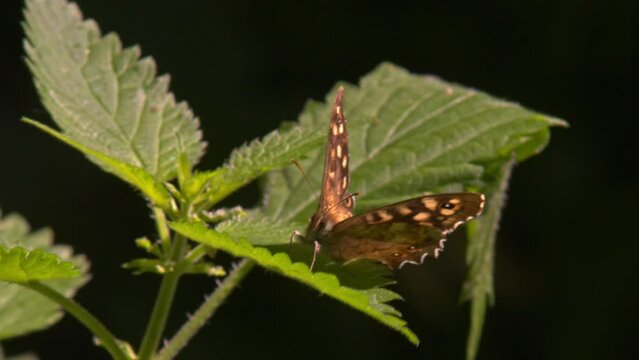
x,y
331,175
339,150
332,153
404,210
370,218
384,215
338,109
345,161
341,128
454,201
344,182
421,216
437,251
431,204
447,212
334,129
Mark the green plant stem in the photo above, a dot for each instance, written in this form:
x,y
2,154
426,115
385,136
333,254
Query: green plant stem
x,y
163,303
206,310
107,340
162,229
157,322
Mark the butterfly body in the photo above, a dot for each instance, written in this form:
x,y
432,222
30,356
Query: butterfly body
x,y
396,234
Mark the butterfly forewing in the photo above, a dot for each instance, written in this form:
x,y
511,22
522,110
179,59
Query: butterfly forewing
x,y
335,204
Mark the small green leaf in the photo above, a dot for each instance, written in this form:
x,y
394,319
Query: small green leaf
x,y
372,301
104,97
26,256
276,150
480,254
17,265
135,176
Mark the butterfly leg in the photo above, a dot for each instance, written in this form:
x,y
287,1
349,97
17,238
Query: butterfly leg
x,y
294,234
316,250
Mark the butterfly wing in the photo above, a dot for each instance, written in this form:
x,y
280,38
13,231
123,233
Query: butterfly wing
x,y
403,232
335,204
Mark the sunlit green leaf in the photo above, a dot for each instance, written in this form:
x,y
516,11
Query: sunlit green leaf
x,y
105,97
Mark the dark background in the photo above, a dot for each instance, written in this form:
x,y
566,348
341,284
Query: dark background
x,y
566,285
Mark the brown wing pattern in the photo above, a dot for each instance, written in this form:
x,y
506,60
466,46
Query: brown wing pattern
x,y
404,232
335,204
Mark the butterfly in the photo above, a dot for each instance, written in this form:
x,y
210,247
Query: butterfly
x,y
404,232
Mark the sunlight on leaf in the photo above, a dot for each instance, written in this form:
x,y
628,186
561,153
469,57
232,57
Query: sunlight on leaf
x,y
105,97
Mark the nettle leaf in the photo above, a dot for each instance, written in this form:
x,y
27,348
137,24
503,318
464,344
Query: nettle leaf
x,y
17,265
26,256
372,301
105,97
134,175
276,150
410,134
480,255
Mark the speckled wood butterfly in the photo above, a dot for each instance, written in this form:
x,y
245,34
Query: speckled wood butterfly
x,y
396,234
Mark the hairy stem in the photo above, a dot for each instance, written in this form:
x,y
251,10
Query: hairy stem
x,y
162,306
206,310
107,340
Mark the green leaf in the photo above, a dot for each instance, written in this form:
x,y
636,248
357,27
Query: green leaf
x,y
135,176
105,97
276,150
17,265
409,134
482,233
32,256
372,301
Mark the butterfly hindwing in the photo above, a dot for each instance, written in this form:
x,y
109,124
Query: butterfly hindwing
x,y
406,231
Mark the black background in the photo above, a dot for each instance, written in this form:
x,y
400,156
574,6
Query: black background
x,y
566,285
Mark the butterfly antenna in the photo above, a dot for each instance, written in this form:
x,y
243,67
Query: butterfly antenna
x,y
299,167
